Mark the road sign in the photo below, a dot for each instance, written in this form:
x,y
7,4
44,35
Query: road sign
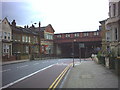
x,y
81,45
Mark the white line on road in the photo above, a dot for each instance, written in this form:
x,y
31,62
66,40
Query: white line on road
x,y
8,85
35,63
5,70
22,66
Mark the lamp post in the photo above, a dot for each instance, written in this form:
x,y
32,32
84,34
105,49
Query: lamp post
x,y
39,39
73,50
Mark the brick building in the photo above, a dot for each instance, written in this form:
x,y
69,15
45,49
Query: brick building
x,y
47,44
25,42
68,44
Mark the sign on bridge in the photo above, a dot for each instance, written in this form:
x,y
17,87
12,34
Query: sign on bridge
x,y
81,45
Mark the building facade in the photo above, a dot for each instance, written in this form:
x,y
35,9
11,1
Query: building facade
x,y
25,42
6,37
47,40
34,42
105,37
113,25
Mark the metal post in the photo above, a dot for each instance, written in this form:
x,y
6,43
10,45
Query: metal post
x,y
40,41
85,53
80,54
73,52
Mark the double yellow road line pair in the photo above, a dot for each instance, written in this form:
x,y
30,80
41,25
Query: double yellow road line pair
x,y
58,79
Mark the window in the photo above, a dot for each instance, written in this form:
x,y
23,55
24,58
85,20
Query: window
x,y
27,49
29,39
5,35
18,38
108,34
85,34
7,50
76,34
114,9
26,38
49,36
110,11
96,33
59,36
9,36
0,35
46,36
116,34
67,35
4,48
23,38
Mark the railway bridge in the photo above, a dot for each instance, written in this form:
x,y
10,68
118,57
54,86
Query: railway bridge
x,y
77,44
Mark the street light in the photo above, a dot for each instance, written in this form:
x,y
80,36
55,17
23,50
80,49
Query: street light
x,y
73,50
39,39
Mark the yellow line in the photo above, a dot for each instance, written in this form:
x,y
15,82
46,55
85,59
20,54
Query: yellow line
x,y
58,78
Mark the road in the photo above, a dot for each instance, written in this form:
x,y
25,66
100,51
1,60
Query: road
x,y
33,74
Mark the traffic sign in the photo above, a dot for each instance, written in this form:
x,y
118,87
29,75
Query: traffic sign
x,y
81,45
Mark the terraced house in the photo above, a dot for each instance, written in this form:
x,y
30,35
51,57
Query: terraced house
x,y
113,25
25,42
6,36
47,40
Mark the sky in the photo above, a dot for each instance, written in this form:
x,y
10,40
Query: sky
x,y
64,15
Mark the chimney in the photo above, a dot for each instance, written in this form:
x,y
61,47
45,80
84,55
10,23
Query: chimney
x,y
33,26
39,24
27,26
13,23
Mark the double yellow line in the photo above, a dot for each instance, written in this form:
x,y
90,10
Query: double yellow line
x,y
58,79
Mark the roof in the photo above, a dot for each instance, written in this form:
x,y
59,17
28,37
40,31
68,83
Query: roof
x,y
25,30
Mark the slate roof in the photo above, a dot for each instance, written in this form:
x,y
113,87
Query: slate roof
x,y
25,30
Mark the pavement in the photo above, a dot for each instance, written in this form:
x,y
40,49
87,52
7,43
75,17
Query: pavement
x,y
89,74
16,61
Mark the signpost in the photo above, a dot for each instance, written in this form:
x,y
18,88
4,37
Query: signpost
x,y
81,45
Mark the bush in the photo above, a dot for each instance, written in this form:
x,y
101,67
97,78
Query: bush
x,y
101,58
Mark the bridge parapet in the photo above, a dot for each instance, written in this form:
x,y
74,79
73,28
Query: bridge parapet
x,y
78,36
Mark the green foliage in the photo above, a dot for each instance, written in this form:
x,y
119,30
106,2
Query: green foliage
x,y
99,54
24,53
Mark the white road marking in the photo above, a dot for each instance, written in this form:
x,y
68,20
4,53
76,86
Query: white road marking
x,y
35,63
45,62
5,70
10,84
61,64
22,66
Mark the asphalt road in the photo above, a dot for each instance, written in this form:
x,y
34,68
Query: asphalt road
x,y
34,74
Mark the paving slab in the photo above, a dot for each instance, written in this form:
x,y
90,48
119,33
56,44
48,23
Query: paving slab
x,y
89,74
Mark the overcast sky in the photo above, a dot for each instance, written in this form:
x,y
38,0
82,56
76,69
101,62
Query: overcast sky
x,y
64,15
